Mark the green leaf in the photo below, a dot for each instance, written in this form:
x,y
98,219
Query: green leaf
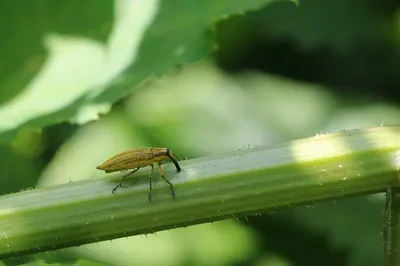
x,y
81,262
245,182
77,79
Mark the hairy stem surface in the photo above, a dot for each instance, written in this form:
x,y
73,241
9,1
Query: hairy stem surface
x,y
244,182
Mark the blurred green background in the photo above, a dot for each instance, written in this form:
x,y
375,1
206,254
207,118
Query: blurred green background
x,y
279,73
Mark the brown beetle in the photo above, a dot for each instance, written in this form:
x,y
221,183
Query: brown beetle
x,y
137,158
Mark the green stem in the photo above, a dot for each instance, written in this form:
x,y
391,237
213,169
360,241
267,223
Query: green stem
x,y
239,183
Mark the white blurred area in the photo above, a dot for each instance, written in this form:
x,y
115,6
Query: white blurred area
x,y
205,111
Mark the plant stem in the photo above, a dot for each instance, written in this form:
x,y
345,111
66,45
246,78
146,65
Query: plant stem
x,y
244,182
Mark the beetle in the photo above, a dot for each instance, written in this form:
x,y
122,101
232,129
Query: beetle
x,y
137,158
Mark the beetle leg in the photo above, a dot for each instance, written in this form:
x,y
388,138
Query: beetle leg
x,y
151,173
169,183
120,183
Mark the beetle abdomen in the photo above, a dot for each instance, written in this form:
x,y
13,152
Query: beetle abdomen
x,y
128,160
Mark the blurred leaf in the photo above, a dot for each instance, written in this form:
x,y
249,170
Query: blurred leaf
x,y
17,171
84,262
29,52
184,38
73,82
81,262
28,23
231,241
273,260
354,224
314,25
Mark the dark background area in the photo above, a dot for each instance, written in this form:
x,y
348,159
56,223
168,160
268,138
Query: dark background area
x,y
349,46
